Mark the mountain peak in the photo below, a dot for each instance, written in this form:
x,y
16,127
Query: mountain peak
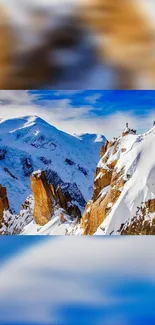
x,y
29,143
20,122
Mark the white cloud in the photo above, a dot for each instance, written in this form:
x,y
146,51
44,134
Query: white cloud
x,y
109,126
61,113
92,99
16,97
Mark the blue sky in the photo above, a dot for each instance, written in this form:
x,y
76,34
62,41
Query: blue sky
x,y
103,102
89,111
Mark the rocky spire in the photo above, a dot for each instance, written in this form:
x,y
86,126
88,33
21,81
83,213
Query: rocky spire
x,y
47,198
43,199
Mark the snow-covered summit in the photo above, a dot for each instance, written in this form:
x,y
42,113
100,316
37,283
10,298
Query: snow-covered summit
x,y
29,143
16,123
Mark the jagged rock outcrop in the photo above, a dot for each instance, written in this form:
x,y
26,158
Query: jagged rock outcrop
x,y
13,224
64,200
143,223
4,203
107,187
102,180
107,184
47,197
97,209
70,190
124,188
43,200
103,176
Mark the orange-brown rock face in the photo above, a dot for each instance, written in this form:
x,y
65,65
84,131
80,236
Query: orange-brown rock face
x,y
107,189
43,199
47,198
102,179
4,204
97,210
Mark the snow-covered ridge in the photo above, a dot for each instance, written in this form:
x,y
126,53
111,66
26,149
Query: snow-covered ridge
x,y
29,143
136,165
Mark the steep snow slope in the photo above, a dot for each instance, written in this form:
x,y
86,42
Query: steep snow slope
x,y
136,165
29,143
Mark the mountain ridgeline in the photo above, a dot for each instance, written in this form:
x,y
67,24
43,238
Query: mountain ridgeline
x,y
124,187
57,171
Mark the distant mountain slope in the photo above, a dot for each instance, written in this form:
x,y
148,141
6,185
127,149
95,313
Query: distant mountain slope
x,y
29,143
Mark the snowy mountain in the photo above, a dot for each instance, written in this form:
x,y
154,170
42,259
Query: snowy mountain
x,y
29,143
124,187
123,200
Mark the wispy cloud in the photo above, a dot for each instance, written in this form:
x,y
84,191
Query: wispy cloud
x,y
81,111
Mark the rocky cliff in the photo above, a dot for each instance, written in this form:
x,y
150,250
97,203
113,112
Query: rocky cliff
x,y
107,184
43,199
47,207
124,188
143,223
47,199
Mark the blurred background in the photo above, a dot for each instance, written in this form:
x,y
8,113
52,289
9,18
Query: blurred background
x,y
77,44
66,281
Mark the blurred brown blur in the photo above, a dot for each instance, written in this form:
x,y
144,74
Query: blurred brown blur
x,y
31,65
6,43
126,39
123,38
